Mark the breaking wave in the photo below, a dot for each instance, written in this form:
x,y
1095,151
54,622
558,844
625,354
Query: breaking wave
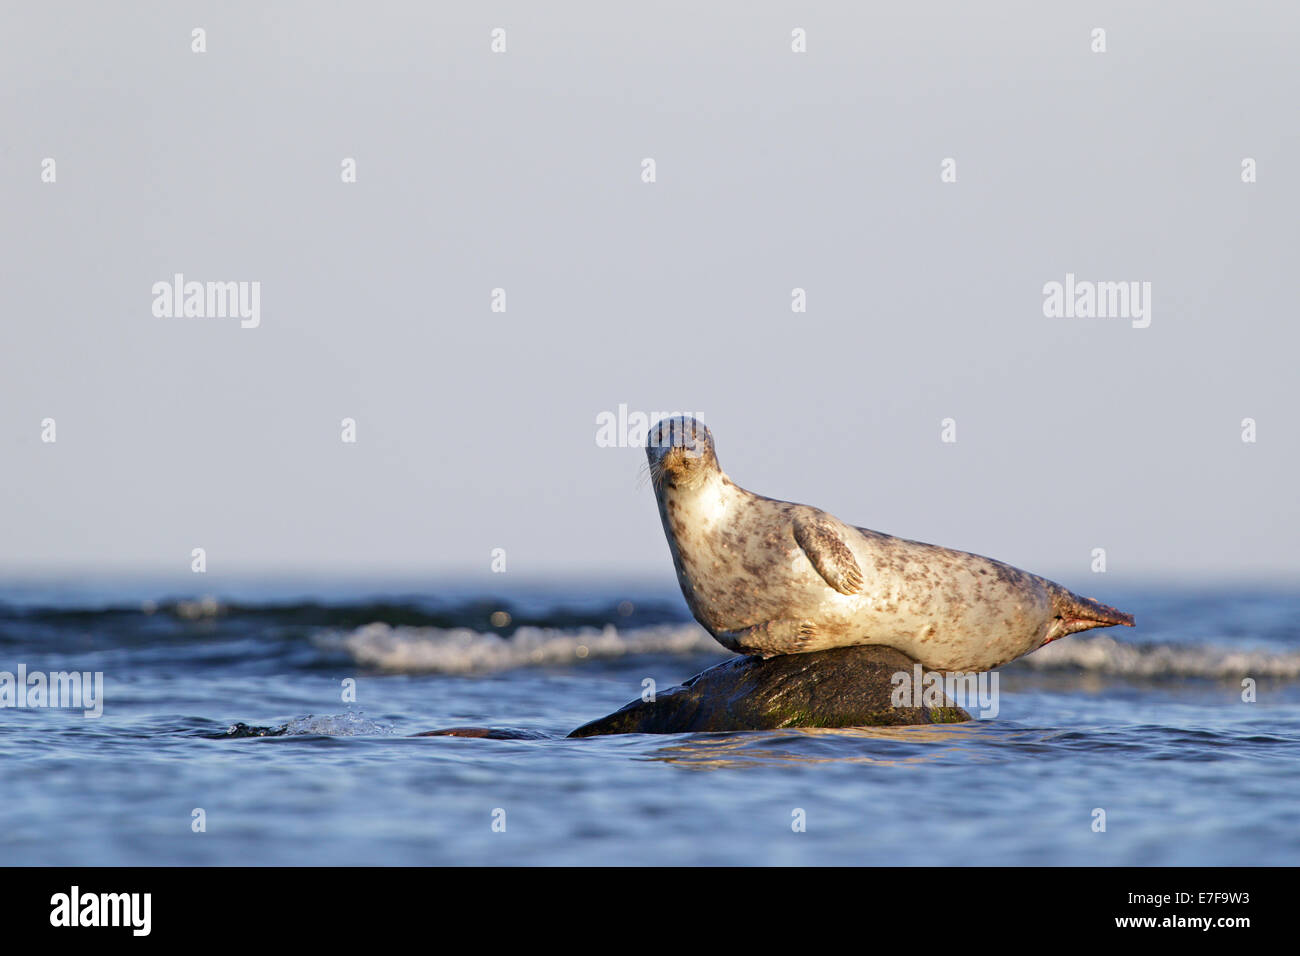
x,y
430,650
465,651
1105,655
337,725
330,725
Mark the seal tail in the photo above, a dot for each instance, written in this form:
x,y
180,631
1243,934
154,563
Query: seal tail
x,y
1075,613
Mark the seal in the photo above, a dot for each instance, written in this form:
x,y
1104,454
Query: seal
x,y
768,577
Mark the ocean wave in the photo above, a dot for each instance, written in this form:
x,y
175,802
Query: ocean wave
x,y
337,725
463,651
487,614
330,725
1106,655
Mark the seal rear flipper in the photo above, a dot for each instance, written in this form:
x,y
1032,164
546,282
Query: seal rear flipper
x,y
829,554
1075,614
771,638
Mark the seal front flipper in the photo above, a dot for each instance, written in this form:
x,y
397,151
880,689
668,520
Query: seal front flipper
x,y
828,553
771,638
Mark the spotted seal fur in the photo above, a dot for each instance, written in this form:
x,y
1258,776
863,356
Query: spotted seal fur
x,y
768,577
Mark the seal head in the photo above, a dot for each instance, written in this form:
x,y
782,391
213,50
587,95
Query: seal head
x,y
681,453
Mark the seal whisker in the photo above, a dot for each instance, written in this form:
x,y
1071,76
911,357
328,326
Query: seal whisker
x,y
653,473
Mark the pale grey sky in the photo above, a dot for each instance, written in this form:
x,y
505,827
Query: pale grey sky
x,y
522,170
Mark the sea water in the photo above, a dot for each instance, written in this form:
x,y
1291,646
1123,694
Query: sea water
x,y
1177,742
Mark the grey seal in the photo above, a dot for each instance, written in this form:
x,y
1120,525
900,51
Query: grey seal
x,y
768,577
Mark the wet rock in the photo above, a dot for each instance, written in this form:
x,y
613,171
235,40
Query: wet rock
x,y
244,730
844,687
490,733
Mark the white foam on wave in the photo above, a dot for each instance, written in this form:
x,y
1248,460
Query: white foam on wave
x,y
431,650
337,725
464,651
197,610
1105,655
